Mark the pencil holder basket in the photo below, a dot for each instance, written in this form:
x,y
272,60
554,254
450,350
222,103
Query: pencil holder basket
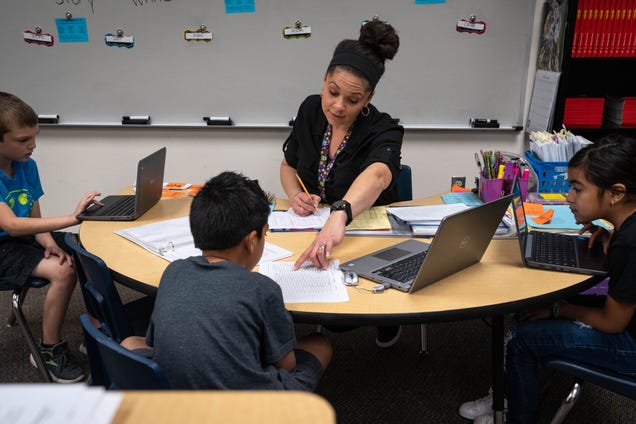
x,y
552,176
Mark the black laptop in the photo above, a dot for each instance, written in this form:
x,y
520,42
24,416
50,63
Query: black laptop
x,y
555,251
130,207
460,241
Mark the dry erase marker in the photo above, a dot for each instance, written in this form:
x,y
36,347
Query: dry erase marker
x,y
526,174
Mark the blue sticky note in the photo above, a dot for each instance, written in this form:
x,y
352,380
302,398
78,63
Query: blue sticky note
x,y
239,6
71,30
429,1
466,197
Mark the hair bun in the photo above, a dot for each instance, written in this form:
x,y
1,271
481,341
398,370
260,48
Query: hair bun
x,y
381,37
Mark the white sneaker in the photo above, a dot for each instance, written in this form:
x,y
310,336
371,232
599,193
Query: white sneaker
x,y
476,408
485,419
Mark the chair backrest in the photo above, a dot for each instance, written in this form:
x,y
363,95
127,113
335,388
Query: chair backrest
x,y
405,183
121,369
100,295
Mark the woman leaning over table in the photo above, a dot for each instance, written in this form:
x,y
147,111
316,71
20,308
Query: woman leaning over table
x,y
345,151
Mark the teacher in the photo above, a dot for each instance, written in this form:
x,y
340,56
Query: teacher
x,y
345,151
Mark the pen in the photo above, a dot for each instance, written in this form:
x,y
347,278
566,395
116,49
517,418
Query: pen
x,y
305,190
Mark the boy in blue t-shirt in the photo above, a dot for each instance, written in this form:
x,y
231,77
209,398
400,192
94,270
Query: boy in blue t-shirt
x,y
218,325
27,246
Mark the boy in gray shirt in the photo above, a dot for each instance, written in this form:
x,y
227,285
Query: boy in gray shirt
x,y
218,325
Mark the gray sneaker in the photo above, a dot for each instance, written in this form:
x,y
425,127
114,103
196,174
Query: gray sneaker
x,y
60,363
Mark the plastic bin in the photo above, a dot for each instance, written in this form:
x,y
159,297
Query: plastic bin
x,y
552,176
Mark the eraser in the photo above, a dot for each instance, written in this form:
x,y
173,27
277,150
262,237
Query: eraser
x,y
483,123
48,119
218,120
135,120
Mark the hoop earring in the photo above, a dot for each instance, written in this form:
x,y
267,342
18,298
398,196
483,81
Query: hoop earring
x,y
365,111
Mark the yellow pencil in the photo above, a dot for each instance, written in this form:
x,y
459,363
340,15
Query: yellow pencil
x,y
305,190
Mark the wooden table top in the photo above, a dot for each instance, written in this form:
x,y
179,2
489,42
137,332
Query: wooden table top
x,y
227,407
500,283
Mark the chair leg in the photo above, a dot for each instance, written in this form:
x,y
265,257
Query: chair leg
x,y
568,403
17,300
423,341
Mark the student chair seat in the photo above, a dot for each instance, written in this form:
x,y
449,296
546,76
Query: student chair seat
x,y
102,299
17,314
618,383
120,368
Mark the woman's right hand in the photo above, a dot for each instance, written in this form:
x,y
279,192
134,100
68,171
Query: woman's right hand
x,y
303,205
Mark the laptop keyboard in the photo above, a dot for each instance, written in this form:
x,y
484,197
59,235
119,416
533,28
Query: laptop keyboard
x,y
403,271
124,206
553,248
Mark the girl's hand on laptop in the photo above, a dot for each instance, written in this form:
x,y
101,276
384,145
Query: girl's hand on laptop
x,y
599,234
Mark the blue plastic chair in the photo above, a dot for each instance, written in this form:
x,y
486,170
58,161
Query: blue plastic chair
x,y
618,383
102,300
405,183
119,368
17,299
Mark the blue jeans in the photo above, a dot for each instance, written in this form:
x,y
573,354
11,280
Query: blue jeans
x,y
530,341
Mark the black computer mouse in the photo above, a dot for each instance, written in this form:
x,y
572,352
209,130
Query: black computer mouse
x,y
351,278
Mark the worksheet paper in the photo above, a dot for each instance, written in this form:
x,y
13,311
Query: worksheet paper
x,y
308,284
172,240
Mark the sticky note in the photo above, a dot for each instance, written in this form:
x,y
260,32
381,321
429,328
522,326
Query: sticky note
x,y
533,208
545,217
72,30
552,196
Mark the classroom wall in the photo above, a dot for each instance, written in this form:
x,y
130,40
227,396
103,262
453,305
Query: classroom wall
x,y
73,160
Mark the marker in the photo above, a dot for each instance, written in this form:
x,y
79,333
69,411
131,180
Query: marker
x,y
526,174
501,171
305,190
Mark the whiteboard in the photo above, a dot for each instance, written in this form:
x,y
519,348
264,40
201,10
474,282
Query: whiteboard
x,y
253,74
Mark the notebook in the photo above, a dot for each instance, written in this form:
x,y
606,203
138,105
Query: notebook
x,y
460,241
130,207
555,251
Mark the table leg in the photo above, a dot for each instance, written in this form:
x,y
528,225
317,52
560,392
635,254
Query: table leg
x,y
498,368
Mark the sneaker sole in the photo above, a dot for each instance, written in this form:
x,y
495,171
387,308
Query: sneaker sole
x,y
391,342
57,379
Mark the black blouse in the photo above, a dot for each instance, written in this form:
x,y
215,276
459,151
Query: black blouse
x,y
375,138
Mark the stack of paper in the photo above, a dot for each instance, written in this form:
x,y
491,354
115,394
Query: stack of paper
x,y
424,220
374,219
57,403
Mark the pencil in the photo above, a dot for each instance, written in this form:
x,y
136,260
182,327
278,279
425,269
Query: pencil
x,y
305,190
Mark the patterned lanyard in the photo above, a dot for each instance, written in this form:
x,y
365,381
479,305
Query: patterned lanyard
x,y
324,168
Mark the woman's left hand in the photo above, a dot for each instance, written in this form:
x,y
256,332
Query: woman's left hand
x,y
329,237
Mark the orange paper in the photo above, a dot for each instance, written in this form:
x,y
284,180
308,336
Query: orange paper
x,y
533,208
175,186
172,194
545,217
458,189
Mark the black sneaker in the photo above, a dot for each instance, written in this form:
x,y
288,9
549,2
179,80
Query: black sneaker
x,y
60,363
388,336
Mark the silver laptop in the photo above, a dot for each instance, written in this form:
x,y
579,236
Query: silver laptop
x,y
460,241
555,251
130,207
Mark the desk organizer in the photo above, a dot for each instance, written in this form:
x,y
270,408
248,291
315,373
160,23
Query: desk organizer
x,y
552,176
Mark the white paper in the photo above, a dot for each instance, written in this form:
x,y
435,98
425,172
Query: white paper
x,y
308,284
289,220
55,403
171,240
543,100
432,214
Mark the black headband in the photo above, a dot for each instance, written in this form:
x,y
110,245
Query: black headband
x,y
348,57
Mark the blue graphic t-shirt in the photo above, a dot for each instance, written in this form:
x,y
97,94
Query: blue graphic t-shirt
x,y
21,191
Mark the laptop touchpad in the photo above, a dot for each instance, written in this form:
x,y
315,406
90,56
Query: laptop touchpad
x,y
392,254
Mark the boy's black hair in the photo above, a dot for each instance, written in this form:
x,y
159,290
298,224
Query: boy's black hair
x,y
611,160
226,209
15,112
